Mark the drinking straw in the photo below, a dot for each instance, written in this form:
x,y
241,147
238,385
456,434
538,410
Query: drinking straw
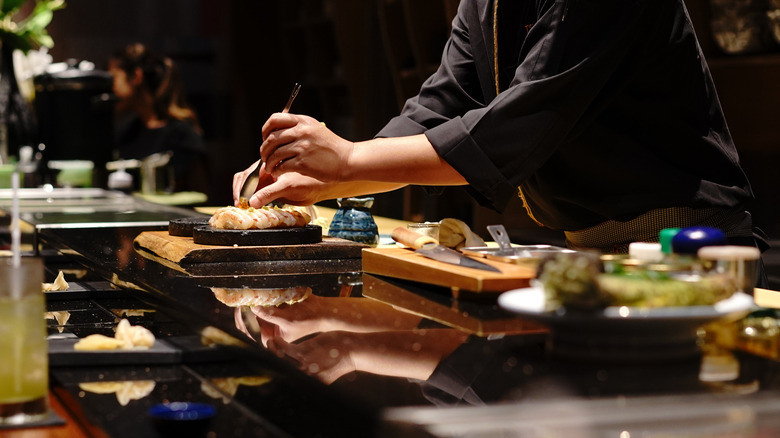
x,y
16,234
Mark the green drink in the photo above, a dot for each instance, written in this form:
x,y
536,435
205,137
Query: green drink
x,y
24,371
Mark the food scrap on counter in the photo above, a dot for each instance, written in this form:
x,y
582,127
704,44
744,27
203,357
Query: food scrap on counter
x,y
126,391
127,337
59,284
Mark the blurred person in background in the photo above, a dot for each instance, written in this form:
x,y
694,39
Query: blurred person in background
x,y
153,115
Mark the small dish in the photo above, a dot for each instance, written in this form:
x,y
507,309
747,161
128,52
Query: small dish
x,y
519,254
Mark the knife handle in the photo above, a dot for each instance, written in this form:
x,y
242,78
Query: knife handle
x,y
411,238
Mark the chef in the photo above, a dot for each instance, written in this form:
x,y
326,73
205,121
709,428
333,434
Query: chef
x,y
601,115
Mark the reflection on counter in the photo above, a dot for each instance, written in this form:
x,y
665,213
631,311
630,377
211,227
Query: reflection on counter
x,y
225,388
759,334
261,297
331,336
478,315
125,391
401,330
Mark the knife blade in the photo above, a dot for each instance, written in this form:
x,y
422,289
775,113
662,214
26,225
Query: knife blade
x,y
429,247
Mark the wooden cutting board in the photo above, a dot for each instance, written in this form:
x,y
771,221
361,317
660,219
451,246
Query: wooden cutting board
x,y
408,265
182,250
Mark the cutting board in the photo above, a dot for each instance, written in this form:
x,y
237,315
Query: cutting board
x,y
408,265
182,250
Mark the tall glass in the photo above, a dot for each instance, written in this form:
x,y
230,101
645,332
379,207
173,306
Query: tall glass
x,y
24,373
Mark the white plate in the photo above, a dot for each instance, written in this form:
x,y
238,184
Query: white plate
x,y
624,333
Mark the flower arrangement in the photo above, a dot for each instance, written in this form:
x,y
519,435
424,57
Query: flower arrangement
x,y
17,121
29,32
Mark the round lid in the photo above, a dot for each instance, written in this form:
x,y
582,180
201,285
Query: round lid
x,y
729,252
665,237
689,240
645,251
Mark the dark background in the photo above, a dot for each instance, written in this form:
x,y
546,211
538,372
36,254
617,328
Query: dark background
x,y
358,60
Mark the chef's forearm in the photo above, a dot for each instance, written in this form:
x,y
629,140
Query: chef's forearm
x,y
410,160
411,354
358,188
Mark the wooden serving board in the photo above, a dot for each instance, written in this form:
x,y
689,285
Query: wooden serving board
x,y
408,265
182,250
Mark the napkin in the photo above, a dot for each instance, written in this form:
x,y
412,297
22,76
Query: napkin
x,y
454,233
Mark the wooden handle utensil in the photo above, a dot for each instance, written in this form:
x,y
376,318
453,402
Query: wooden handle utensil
x,y
411,238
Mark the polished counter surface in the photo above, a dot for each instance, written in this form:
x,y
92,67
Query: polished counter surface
x,y
363,355
88,208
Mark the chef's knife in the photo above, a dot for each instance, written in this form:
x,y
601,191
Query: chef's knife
x,y
429,247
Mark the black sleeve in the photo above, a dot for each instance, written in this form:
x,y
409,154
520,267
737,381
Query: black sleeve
x,y
565,72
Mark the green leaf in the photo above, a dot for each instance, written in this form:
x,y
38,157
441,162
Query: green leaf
x,y
10,6
43,39
29,32
37,21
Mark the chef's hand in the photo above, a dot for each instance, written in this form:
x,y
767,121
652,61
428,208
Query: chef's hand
x,y
296,189
290,188
301,144
326,355
240,178
294,321
325,314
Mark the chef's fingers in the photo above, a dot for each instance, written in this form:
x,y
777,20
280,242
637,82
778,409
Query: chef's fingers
x,y
264,179
292,188
279,121
240,178
268,334
268,189
241,325
267,314
273,190
279,156
280,146
285,135
238,184
264,195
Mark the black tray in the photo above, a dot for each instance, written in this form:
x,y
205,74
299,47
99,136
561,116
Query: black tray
x,y
184,226
61,353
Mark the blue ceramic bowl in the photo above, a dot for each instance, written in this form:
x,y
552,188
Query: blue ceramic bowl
x,y
689,240
182,418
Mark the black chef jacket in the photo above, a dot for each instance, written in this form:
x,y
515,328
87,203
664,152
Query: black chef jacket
x,y
606,110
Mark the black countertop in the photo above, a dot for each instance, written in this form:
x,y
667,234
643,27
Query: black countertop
x,y
372,356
